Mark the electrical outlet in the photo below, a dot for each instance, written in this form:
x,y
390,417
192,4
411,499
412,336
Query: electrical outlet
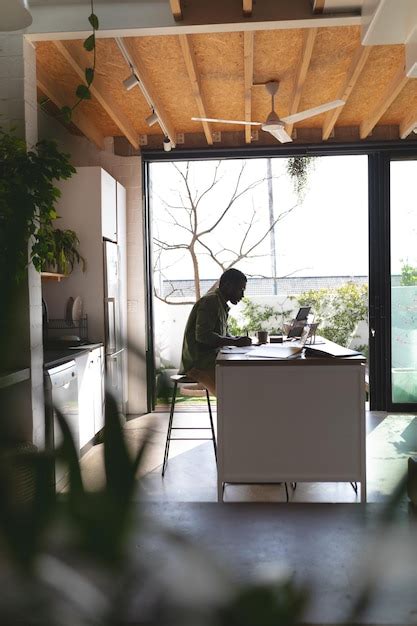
x,y
179,138
143,140
217,136
254,135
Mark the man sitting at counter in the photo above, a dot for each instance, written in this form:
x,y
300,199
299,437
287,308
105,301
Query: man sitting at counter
x,y
206,329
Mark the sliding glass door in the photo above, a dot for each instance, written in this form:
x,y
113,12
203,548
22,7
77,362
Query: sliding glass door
x,y
403,284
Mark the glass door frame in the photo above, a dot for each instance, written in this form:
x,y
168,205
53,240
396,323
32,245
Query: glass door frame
x,y
380,155
380,318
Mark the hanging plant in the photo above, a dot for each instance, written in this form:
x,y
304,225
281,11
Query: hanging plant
x,y
83,90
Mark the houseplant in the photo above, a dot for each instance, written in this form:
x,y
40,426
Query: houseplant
x,y
27,201
63,253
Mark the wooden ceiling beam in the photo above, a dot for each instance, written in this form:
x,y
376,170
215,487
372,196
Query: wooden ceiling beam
x,y
318,6
247,7
248,41
391,92
358,63
176,9
191,65
86,126
309,37
156,103
408,125
98,89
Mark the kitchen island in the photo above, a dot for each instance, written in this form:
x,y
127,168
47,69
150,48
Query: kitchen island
x,y
298,420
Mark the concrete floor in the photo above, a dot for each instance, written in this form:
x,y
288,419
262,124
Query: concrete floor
x,y
326,539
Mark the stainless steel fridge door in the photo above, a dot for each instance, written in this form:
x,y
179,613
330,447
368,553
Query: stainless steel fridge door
x,y
113,340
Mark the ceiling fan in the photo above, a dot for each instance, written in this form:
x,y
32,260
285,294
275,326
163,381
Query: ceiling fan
x,y
273,124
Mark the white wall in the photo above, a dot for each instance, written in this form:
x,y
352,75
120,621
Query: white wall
x,y
18,109
128,171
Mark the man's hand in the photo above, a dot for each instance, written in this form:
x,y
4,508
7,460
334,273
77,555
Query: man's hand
x,y
242,342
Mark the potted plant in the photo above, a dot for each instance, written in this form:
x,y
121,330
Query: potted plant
x,y
27,199
63,253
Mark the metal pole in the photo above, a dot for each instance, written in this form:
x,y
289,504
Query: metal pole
x,y
271,221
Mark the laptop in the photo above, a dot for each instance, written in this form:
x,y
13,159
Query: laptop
x,y
303,313
299,322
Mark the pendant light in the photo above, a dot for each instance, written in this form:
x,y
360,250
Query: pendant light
x,y
14,15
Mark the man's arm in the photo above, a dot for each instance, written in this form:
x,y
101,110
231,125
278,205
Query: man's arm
x,y
207,318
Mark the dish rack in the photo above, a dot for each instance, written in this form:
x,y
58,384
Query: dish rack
x,y
56,329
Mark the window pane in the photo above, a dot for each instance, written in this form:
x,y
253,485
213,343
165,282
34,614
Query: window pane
x,y
403,282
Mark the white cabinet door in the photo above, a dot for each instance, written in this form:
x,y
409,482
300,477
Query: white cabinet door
x,y
108,206
85,398
98,388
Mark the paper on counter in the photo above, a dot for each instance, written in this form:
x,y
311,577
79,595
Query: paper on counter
x,y
276,351
236,350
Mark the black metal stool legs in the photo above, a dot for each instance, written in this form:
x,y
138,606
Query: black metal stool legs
x,y
211,425
171,416
178,379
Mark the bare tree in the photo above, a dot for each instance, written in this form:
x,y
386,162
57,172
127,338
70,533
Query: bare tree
x,y
202,230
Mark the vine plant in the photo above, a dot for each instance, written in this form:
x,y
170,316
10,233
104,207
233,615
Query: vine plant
x,y
83,90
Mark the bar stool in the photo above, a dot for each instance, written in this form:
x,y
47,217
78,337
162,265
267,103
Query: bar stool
x,y
179,379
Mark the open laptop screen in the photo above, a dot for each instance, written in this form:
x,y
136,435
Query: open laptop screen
x,y
302,314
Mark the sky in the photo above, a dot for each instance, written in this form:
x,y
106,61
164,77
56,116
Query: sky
x,y
324,235
403,215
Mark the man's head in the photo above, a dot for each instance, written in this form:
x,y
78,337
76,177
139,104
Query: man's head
x,y
232,285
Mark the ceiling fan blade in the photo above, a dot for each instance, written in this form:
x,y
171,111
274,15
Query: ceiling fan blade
x,y
303,115
214,119
281,135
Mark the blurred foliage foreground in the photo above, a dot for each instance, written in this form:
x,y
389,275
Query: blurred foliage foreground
x,y
81,557
85,558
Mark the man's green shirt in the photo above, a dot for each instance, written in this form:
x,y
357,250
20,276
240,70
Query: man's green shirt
x,y
207,322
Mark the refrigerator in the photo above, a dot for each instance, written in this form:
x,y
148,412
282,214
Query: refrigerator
x,y
114,344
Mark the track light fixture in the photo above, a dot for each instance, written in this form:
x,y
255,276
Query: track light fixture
x,y
152,119
167,144
131,82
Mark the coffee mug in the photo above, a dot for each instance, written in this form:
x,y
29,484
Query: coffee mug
x,y
262,336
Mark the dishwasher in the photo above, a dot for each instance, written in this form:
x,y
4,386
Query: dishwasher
x,y
61,392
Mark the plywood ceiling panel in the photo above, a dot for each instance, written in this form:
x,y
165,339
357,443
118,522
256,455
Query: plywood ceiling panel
x,y
276,55
111,65
381,67
219,62
332,54
403,105
66,82
163,59
222,83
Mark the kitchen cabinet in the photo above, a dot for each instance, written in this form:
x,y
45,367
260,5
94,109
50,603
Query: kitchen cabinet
x,y
108,206
90,373
93,204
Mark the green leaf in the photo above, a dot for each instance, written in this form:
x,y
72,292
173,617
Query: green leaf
x,y
83,92
89,43
66,113
93,19
89,75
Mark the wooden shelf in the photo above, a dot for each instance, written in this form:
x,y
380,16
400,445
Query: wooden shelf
x,y
53,276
